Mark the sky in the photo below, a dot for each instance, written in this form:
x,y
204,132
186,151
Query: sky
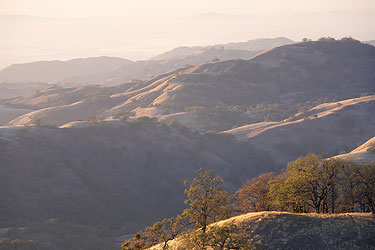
x,y
33,30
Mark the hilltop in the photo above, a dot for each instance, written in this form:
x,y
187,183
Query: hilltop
x,y
282,230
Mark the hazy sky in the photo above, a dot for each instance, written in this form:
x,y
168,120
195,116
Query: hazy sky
x,y
138,29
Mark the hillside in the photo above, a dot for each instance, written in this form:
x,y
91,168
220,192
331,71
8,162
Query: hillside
x,y
96,174
255,45
144,70
217,96
14,89
287,75
8,114
259,44
281,230
365,152
55,71
49,105
98,167
61,171
356,106
114,70
326,128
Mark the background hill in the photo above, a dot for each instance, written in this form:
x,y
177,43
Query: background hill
x,y
114,70
301,74
365,152
271,86
116,174
142,70
14,89
256,45
322,129
95,173
56,71
259,44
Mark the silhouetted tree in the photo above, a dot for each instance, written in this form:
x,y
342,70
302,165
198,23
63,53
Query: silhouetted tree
x,y
365,190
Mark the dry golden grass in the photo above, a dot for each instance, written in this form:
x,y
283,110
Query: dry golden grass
x,y
283,230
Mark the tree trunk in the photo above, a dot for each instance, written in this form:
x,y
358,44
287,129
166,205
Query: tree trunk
x,y
333,201
317,209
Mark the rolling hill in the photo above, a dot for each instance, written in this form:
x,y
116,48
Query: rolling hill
x,y
317,130
88,163
76,166
286,75
114,173
57,71
113,70
220,95
11,90
281,230
255,45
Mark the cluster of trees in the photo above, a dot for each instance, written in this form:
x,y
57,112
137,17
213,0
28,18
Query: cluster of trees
x,y
207,202
330,39
232,115
312,184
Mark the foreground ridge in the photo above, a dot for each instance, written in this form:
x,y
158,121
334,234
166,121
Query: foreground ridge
x,y
284,230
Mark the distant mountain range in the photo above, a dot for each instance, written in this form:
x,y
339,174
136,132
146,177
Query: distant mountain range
x,y
256,45
55,71
114,70
219,95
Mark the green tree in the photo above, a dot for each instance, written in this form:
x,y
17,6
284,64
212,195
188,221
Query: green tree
x,y
284,196
307,180
208,203
310,181
207,200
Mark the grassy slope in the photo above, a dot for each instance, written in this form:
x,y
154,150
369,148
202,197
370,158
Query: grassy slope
x,y
282,230
365,152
